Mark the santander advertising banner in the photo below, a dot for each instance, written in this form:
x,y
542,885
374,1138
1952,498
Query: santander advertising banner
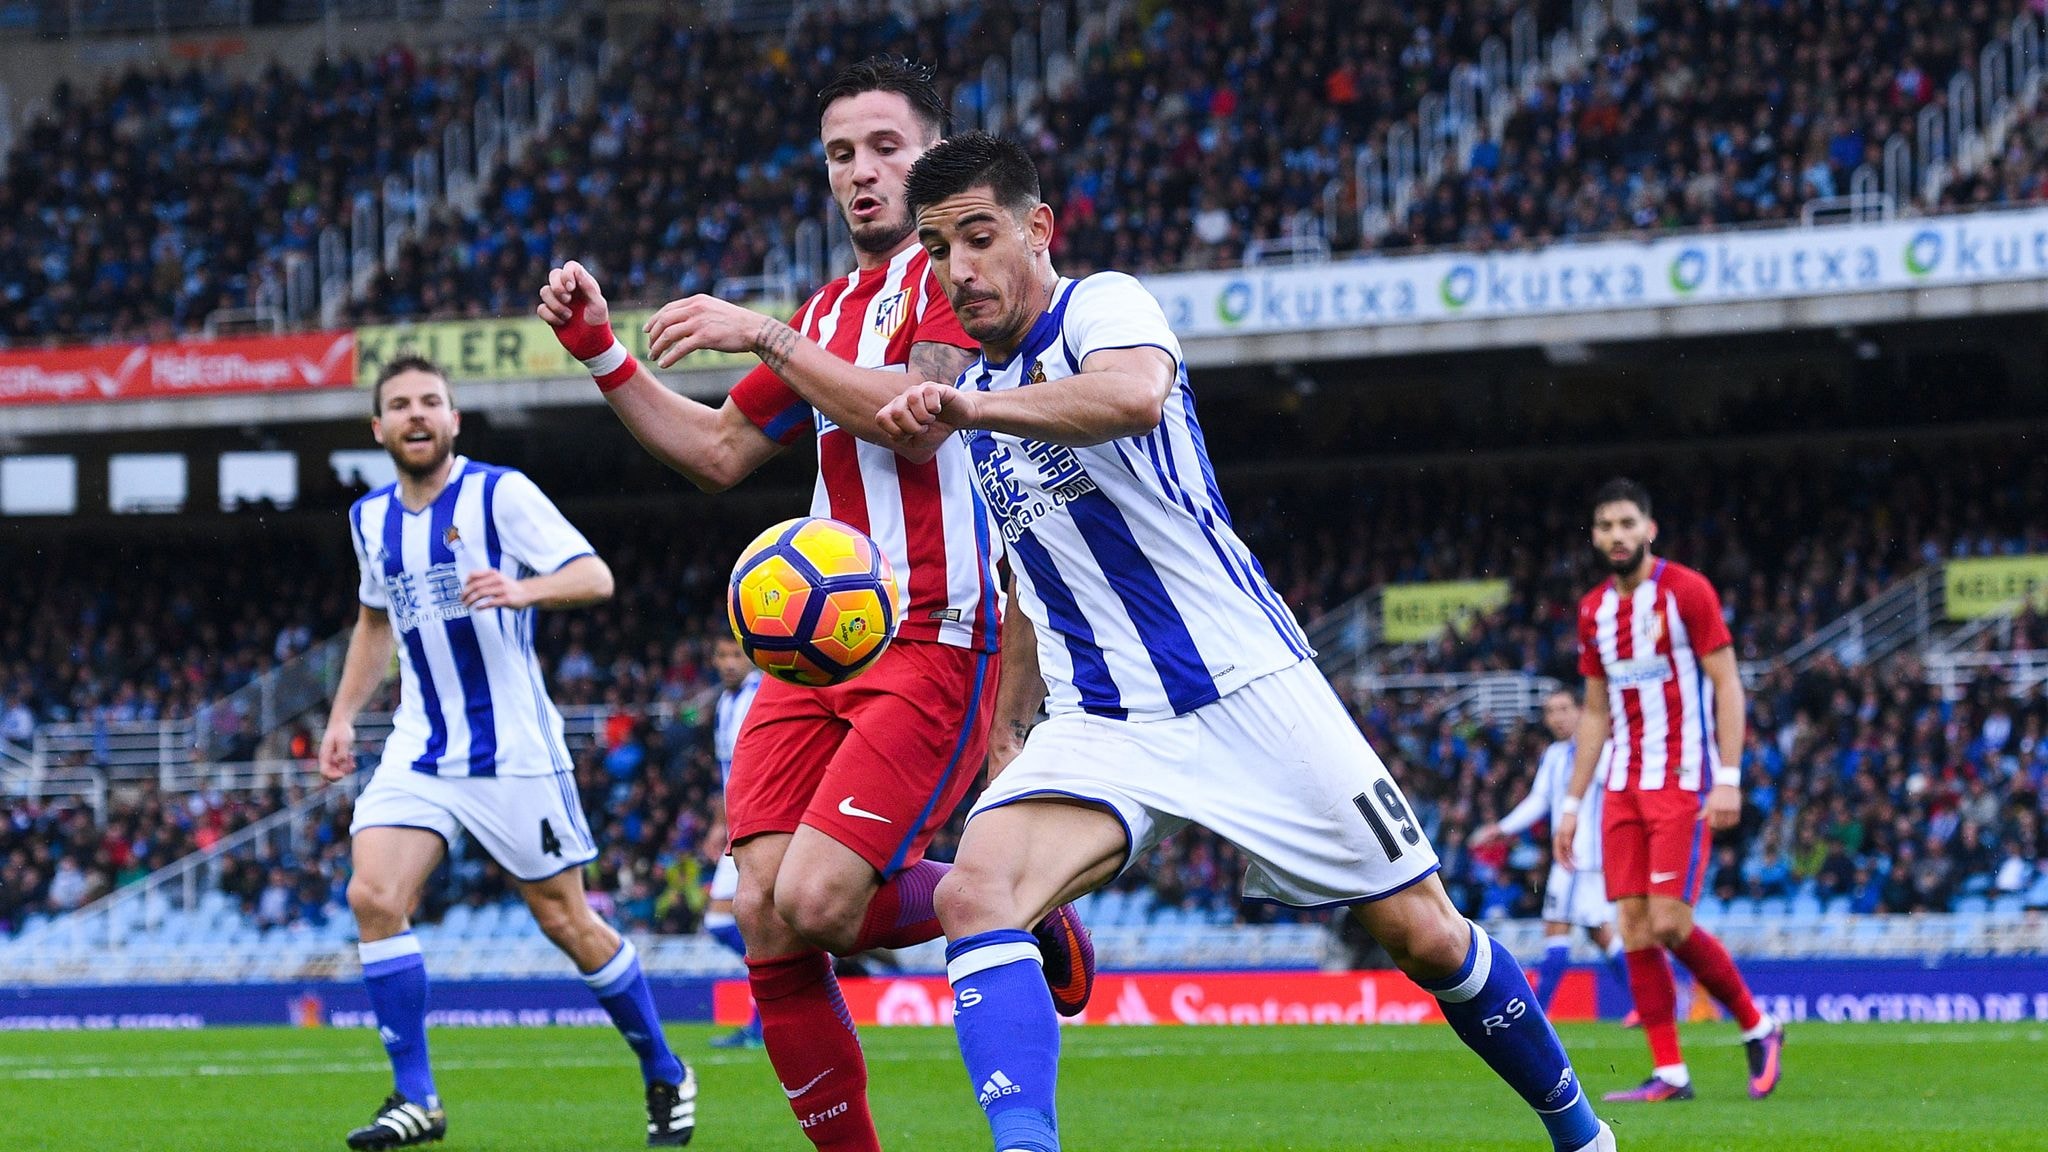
x,y
197,368
1154,998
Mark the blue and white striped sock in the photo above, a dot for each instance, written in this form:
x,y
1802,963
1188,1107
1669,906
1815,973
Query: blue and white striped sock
x,y
1490,1007
396,977
622,988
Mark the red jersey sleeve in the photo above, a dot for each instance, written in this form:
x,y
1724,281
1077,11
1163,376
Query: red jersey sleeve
x,y
1589,643
771,405
1699,607
936,323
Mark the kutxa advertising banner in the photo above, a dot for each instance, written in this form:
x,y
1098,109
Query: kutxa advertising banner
x,y
1780,264
191,368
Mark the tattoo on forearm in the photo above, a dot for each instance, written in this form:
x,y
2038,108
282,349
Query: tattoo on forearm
x,y
939,363
775,343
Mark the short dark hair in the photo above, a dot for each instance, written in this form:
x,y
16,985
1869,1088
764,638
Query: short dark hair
x,y
1622,488
403,364
905,77
974,160
1571,692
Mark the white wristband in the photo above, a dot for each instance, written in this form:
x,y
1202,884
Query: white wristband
x,y
1570,806
607,362
1725,775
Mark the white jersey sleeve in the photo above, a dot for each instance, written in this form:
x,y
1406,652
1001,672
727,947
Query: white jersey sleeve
x,y
370,588
1535,806
1111,310
532,530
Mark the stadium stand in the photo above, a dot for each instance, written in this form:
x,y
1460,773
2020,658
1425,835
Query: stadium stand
x,y
1852,767
1179,140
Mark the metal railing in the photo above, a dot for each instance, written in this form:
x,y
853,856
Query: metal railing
x,y
184,886
1483,694
1953,673
1907,613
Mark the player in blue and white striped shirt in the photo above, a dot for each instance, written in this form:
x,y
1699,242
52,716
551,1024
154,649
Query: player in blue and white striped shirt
x,y
1178,686
455,558
1575,894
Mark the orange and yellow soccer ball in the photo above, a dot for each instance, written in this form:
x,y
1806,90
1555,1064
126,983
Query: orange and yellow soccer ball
x,y
813,601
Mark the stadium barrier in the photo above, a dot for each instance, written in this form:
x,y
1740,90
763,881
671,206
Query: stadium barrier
x,y
1834,991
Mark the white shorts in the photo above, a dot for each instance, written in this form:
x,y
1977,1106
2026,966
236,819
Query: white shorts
x,y
1277,768
1578,898
725,879
531,825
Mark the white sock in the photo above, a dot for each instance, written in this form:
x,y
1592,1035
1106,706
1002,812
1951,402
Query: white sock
x,y
1675,1075
1763,1028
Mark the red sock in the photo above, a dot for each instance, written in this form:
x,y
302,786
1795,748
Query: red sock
x,y
1649,980
815,1051
901,914
1711,965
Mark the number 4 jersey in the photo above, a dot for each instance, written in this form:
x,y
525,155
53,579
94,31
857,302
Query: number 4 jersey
x,y
471,701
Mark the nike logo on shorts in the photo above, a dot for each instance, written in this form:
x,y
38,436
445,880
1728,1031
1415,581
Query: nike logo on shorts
x,y
846,808
793,1093
1662,877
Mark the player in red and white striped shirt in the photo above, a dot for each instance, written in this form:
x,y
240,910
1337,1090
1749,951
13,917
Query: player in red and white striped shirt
x,y
835,793
1661,681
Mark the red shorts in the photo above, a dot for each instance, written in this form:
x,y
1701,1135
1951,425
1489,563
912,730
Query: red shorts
x,y
1655,844
878,763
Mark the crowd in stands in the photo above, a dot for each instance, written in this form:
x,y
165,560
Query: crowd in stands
x,y
136,208
1909,800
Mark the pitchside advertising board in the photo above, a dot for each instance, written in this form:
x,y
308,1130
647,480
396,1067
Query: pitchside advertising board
x,y
1779,264
1843,991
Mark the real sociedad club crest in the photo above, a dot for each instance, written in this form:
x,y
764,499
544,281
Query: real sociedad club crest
x,y
1037,373
891,313
451,538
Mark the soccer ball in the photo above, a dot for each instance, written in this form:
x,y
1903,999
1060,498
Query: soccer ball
x,y
813,602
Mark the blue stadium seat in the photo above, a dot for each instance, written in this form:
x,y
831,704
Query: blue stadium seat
x,y
1971,906
2008,906
1773,908
456,922
1840,906
1807,906
1711,907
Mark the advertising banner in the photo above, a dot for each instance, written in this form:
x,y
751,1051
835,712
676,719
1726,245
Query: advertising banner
x,y
196,368
514,348
1165,998
1991,584
1777,264
2003,990
1412,612
323,1003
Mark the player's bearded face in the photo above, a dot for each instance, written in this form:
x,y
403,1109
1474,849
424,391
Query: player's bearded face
x,y
417,424
1622,535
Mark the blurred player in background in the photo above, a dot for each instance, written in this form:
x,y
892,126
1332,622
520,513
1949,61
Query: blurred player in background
x,y
738,680
1662,685
1180,688
1575,894
836,792
455,557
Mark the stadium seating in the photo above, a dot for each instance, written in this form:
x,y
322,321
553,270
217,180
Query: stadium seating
x,y
1181,137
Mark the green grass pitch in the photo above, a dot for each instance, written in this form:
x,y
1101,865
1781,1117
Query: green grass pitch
x,y
1859,1088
